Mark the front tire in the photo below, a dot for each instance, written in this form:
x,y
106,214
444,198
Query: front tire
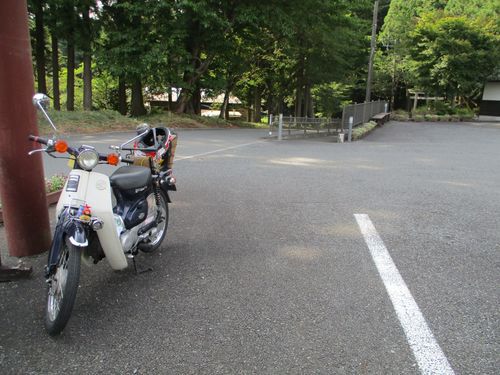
x,y
63,286
154,241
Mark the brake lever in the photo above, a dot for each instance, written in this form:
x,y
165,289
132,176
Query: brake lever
x,y
50,148
38,150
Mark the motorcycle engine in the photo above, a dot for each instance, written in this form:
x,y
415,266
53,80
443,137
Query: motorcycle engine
x,y
130,238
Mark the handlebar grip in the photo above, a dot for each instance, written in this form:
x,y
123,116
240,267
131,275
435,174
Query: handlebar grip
x,y
38,139
128,161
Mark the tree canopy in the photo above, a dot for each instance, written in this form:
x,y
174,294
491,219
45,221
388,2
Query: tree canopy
x,y
444,47
268,53
301,57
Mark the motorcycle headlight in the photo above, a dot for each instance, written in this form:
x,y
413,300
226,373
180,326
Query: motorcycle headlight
x,y
88,159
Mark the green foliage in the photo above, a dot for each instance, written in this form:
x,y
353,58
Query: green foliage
x,y
451,55
331,97
271,51
362,130
448,48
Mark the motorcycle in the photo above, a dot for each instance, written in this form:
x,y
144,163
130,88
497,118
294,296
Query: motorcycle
x,y
103,217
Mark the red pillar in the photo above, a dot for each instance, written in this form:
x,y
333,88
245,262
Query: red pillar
x,y
22,187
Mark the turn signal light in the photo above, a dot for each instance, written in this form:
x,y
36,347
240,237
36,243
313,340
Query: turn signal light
x,y
113,159
61,146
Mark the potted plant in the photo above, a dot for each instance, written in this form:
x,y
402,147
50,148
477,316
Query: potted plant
x,y
53,186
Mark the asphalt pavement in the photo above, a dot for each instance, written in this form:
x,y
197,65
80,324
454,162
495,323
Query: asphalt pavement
x,y
265,268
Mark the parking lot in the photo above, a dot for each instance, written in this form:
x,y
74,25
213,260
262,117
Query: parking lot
x,y
302,256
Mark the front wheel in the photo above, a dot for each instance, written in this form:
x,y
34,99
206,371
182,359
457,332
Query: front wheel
x,y
157,233
63,286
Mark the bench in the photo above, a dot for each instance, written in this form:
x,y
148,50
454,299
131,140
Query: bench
x,y
381,118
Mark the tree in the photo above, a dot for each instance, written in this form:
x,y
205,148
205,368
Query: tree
x,y
54,28
272,54
85,40
330,97
453,55
123,43
67,15
36,6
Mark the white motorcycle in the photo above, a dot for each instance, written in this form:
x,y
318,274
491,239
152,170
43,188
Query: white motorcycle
x,y
101,217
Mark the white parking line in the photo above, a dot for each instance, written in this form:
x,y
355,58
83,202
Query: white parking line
x,y
429,356
215,151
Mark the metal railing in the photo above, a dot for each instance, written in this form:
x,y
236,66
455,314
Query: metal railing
x,y
356,114
352,115
289,125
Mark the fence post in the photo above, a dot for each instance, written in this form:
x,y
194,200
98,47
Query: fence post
x,y
349,135
354,111
343,119
270,124
280,127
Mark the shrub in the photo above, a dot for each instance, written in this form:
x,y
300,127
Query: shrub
x,y
55,183
361,130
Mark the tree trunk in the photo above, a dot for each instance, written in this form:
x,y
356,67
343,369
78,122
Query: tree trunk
x,y
225,104
189,99
55,73
257,104
87,61
306,100
308,104
311,104
87,81
182,101
299,92
40,47
122,96
298,101
270,106
196,100
170,98
70,83
137,105
250,109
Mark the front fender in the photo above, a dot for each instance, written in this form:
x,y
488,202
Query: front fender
x,y
65,228
77,234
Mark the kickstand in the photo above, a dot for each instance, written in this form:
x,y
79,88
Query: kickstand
x,y
141,271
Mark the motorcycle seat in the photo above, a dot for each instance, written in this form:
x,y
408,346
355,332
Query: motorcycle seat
x,y
130,177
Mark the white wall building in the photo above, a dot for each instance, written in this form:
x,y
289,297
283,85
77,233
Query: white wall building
x,y
489,110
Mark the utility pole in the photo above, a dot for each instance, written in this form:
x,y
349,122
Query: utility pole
x,y
22,187
368,96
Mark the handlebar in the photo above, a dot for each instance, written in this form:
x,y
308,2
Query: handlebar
x,y
73,151
128,161
41,140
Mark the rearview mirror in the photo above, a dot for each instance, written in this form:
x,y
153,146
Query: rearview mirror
x,y
41,100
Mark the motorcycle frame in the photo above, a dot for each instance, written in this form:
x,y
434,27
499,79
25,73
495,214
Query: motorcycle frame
x,y
94,189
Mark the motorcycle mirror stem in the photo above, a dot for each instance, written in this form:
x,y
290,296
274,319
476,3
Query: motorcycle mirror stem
x,y
42,101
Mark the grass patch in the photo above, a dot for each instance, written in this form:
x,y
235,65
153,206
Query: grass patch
x,y
360,131
81,122
85,122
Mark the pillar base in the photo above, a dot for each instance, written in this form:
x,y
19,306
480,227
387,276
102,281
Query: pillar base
x,y
14,273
